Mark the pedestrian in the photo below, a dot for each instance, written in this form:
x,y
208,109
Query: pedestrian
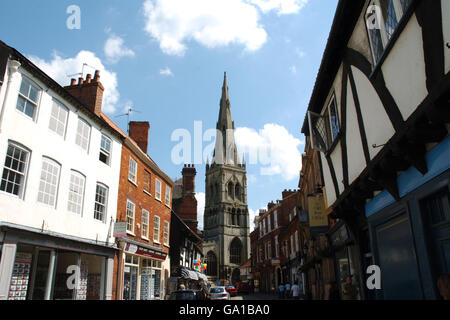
x,y
444,286
281,291
181,287
350,290
287,290
295,291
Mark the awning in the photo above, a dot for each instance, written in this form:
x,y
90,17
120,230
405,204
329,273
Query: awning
x,y
188,274
201,276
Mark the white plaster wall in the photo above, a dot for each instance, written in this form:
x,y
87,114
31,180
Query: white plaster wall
x,y
355,152
359,41
328,181
36,136
404,69
377,125
446,28
336,158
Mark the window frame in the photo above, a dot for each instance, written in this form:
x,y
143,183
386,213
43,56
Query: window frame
x,y
156,234
74,172
400,13
81,120
168,193
146,234
133,219
21,192
156,190
144,184
56,164
61,106
104,151
133,177
166,233
101,185
27,99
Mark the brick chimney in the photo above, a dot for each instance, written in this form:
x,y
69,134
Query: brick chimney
x,y
270,205
188,173
89,92
287,193
186,207
139,133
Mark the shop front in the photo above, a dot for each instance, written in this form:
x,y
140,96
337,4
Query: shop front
x,y
44,267
345,255
410,237
144,272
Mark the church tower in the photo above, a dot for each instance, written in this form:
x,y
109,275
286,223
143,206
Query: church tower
x,y
226,243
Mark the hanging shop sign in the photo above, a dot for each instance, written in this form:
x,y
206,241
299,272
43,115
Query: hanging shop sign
x,y
316,209
120,229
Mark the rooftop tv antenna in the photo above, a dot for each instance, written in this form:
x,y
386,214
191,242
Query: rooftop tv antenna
x,y
128,114
80,74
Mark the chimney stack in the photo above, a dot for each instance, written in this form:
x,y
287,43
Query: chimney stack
x,y
139,133
88,92
188,173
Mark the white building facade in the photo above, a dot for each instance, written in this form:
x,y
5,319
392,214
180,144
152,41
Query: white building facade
x,y
60,165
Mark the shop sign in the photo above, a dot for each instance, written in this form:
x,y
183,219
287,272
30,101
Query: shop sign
x,y
316,209
275,262
120,229
150,253
131,248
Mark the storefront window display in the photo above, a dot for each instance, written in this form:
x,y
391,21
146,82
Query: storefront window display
x,y
146,273
346,273
42,273
130,277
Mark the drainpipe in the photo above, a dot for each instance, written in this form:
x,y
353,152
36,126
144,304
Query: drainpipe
x,y
13,68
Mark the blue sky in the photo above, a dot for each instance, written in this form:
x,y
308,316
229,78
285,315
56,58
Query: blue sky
x,y
166,58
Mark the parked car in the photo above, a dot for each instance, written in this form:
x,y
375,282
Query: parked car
x,y
218,293
185,295
242,287
231,290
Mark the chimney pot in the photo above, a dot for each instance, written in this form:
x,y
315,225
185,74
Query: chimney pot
x,y
73,82
80,81
88,78
97,76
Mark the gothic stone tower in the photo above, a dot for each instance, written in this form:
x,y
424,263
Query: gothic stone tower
x,y
226,243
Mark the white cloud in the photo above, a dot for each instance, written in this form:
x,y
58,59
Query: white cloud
x,y
273,147
252,214
166,72
59,68
211,23
200,196
293,69
281,6
115,50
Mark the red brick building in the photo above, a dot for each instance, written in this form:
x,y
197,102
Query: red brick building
x,y
276,242
318,264
142,266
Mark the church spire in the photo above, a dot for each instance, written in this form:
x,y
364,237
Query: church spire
x,y
225,96
225,153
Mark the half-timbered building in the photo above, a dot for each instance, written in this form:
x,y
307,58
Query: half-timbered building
x,y
379,115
